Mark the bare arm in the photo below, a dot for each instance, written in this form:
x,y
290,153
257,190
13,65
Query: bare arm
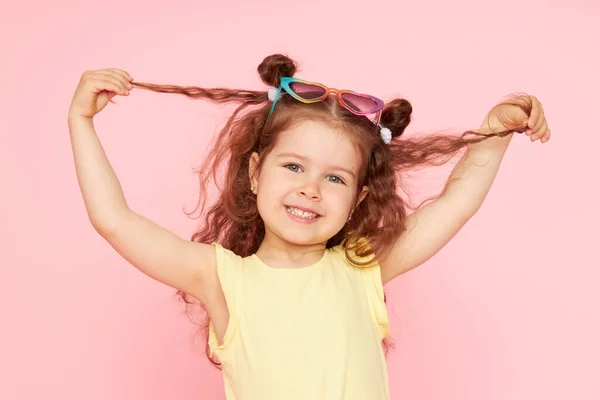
x,y
431,227
158,253
102,193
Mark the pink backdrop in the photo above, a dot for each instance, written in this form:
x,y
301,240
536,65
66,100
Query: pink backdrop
x,y
508,310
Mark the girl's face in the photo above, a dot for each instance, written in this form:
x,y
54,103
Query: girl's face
x,y
307,185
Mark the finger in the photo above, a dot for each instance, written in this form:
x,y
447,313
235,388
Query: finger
x,y
122,73
544,132
541,132
117,79
535,113
541,120
109,86
547,137
120,86
537,125
105,73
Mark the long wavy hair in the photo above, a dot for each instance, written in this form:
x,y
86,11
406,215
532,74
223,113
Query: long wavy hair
x,y
233,219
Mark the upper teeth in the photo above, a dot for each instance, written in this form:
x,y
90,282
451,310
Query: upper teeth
x,y
301,214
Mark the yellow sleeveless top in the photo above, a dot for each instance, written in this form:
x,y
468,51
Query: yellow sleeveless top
x,y
302,333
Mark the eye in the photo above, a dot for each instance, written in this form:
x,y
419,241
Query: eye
x,y
335,179
293,167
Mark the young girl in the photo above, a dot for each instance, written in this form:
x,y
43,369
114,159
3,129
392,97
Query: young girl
x,y
291,260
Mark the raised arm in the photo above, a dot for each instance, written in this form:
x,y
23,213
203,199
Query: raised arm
x,y
432,226
158,253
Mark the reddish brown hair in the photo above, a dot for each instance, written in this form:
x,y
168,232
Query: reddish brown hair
x,y
233,220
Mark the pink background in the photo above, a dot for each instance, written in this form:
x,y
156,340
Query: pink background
x,y
508,310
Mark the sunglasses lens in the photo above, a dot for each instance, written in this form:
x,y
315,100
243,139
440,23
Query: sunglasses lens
x,y
359,103
307,91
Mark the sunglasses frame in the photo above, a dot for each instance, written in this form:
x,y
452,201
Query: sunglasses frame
x,y
285,85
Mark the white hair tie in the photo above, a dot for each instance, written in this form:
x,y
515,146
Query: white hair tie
x,y
386,134
272,93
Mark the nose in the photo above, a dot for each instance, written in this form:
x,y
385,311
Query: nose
x,y
310,190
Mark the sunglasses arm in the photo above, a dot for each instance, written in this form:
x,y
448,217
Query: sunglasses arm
x,y
275,98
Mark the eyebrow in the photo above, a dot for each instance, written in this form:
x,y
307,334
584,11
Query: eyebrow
x,y
298,156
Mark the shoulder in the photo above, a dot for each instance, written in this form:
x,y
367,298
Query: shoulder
x,y
365,266
224,255
223,284
355,255
228,264
368,273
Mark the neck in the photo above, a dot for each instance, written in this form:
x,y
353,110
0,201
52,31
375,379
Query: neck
x,y
275,250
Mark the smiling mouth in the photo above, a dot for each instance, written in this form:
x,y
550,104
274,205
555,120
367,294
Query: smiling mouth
x,y
301,213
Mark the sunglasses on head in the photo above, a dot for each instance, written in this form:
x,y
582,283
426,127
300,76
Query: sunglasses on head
x,y
312,92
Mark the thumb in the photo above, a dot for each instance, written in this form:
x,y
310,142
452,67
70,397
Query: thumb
x,y
110,96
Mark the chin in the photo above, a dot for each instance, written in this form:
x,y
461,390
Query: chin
x,y
300,238
305,236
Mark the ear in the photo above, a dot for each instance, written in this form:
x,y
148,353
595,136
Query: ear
x,y
361,196
253,169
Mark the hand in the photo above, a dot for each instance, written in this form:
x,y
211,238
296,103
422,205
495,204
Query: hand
x,y
511,114
96,89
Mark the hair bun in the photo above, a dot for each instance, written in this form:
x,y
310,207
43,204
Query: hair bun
x,y
396,116
274,67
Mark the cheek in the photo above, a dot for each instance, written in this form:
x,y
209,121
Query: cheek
x,y
338,201
277,182
272,191
270,184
